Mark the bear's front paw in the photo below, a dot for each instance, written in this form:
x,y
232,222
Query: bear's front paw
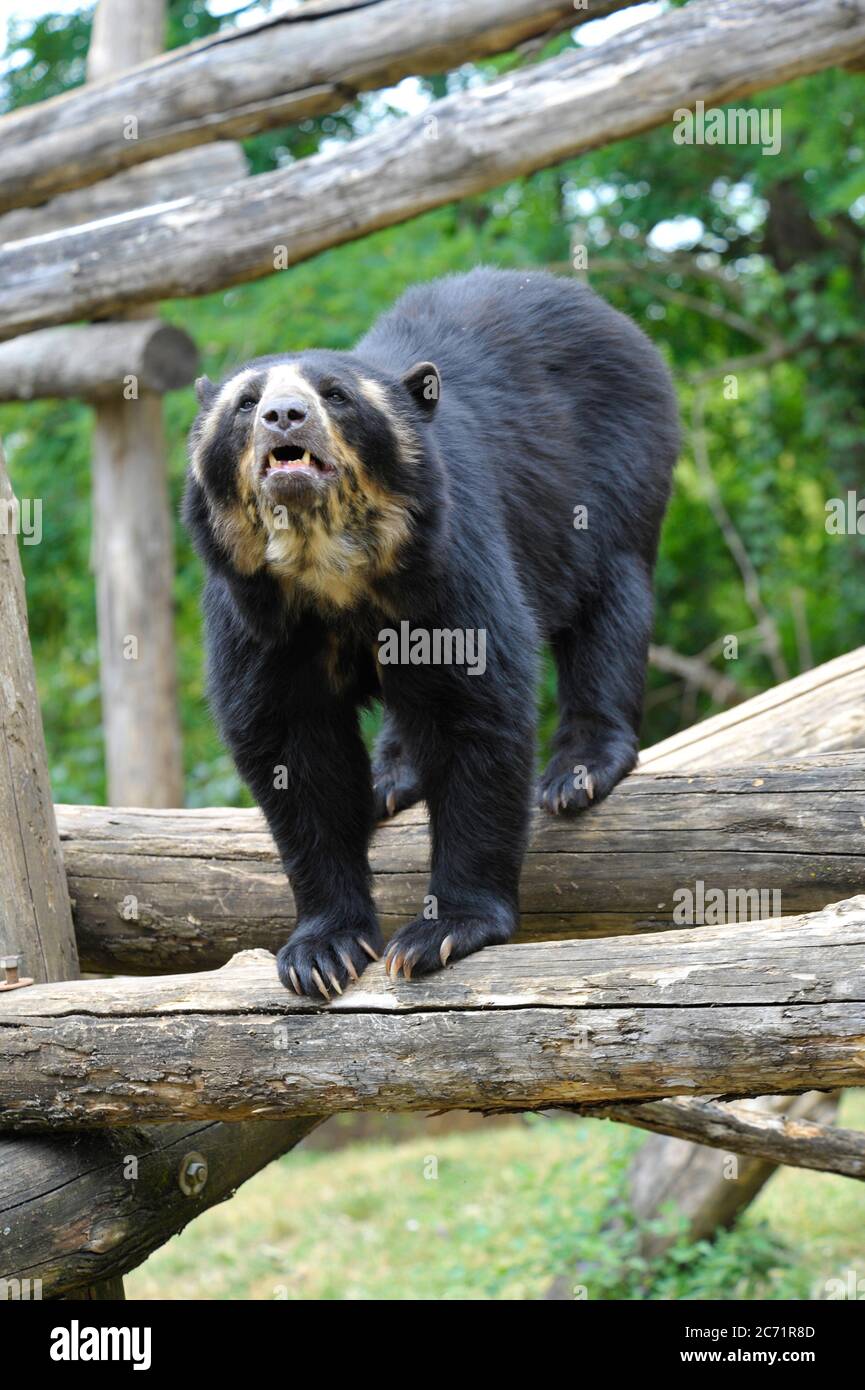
x,y
423,946
320,962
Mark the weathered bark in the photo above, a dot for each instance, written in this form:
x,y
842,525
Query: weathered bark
x,y
133,553
790,1135
817,712
133,544
238,82
35,916
74,1212
182,890
97,361
775,1006
160,181
713,50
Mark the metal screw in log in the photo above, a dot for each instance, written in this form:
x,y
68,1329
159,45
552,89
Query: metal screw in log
x,y
9,965
193,1174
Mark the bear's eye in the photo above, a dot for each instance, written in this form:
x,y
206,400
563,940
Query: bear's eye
x,y
335,394
247,403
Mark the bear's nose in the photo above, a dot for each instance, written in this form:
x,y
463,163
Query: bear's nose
x,y
283,413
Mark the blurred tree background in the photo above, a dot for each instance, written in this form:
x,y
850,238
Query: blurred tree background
x,y
746,268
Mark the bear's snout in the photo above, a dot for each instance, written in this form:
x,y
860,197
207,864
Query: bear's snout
x,y
282,414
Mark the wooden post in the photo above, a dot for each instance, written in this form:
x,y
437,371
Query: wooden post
x,y
133,551
35,915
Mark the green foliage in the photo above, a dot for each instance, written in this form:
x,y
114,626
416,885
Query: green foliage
x,y
44,58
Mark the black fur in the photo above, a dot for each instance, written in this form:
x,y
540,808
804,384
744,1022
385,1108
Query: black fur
x,y
550,400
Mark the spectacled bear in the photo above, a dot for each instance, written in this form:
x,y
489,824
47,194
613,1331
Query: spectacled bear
x,y
493,458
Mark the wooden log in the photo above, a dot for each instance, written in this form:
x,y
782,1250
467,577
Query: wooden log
x,y
35,915
776,1006
786,1136
706,1188
714,50
133,542
98,361
817,712
159,181
71,1213
235,83
180,890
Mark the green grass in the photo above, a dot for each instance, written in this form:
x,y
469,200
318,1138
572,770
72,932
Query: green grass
x,y
511,1208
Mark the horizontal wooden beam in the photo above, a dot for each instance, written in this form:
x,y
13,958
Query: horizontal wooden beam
x,y
159,181
775,1006
741,1127
714,50
157,891
238,82
98,361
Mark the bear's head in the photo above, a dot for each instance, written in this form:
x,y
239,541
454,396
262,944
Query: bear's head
x,y
314,467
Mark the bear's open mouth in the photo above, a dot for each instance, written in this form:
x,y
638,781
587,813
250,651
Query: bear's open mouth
x,y
288,457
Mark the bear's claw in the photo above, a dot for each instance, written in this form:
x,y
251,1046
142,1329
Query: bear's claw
x,y
424,946
318,963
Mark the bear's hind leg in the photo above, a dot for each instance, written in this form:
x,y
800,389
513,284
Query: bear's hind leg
x,y
395,782
601,664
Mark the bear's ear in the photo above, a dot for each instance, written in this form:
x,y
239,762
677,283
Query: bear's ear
x,y
424,384
204,390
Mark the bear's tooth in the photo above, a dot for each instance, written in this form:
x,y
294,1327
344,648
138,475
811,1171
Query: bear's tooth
x,y
307,457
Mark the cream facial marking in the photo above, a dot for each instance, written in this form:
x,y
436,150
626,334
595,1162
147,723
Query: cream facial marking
x,y
230,390
286,379
377,396
375,393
